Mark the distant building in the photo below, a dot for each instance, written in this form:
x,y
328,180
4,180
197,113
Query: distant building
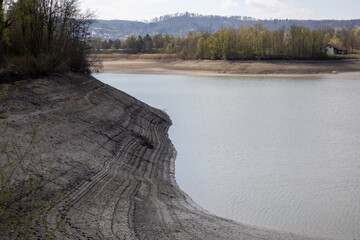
x,y
335,49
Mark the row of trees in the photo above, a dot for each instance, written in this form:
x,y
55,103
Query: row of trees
x,y
99,44
134,44
249,42
39,36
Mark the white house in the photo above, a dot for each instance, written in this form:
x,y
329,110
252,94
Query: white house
x,y
335,49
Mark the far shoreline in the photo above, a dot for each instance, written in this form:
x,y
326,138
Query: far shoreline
x,y
141,64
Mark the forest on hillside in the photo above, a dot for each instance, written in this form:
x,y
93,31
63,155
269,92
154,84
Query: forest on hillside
x,y
41,36
180,24
248,42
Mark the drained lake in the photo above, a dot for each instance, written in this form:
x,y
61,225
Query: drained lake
x,y
281,153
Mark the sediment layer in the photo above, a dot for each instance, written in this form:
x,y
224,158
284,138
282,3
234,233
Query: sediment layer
x,y
223,68
113,155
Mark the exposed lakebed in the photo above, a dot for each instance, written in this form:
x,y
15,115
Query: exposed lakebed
x,y
281,153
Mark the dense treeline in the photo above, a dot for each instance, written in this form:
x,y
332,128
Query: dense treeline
x,y
40,36
99,44
250,42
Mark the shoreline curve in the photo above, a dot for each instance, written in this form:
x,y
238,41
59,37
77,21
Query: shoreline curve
x,y
115,158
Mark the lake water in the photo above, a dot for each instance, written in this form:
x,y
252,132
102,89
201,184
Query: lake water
x,y
281,153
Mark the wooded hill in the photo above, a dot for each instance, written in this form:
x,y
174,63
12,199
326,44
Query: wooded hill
x,y
182,24
248,42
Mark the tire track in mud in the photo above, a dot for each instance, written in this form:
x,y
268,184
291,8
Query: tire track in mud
x,y
81,192
133,194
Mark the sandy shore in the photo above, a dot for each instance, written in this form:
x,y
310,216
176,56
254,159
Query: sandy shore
x,y
112,153
230,68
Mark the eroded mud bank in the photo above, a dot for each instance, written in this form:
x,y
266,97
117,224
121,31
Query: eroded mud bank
x,y
113,154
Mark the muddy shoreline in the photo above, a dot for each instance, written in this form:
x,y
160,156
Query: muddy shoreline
x,y
229,68
113,154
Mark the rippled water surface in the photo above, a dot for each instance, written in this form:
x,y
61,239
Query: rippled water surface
x,y
281,153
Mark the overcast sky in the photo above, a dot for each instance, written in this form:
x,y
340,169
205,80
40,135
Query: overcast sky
x,y
263,9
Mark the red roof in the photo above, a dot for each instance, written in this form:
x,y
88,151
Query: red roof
x,y
338,47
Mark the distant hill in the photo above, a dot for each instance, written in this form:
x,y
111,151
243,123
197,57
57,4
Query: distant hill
x,y
182,24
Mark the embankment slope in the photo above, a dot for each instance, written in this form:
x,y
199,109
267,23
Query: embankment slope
x,y
113,155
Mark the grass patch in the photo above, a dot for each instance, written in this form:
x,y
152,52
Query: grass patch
x,y
349,56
